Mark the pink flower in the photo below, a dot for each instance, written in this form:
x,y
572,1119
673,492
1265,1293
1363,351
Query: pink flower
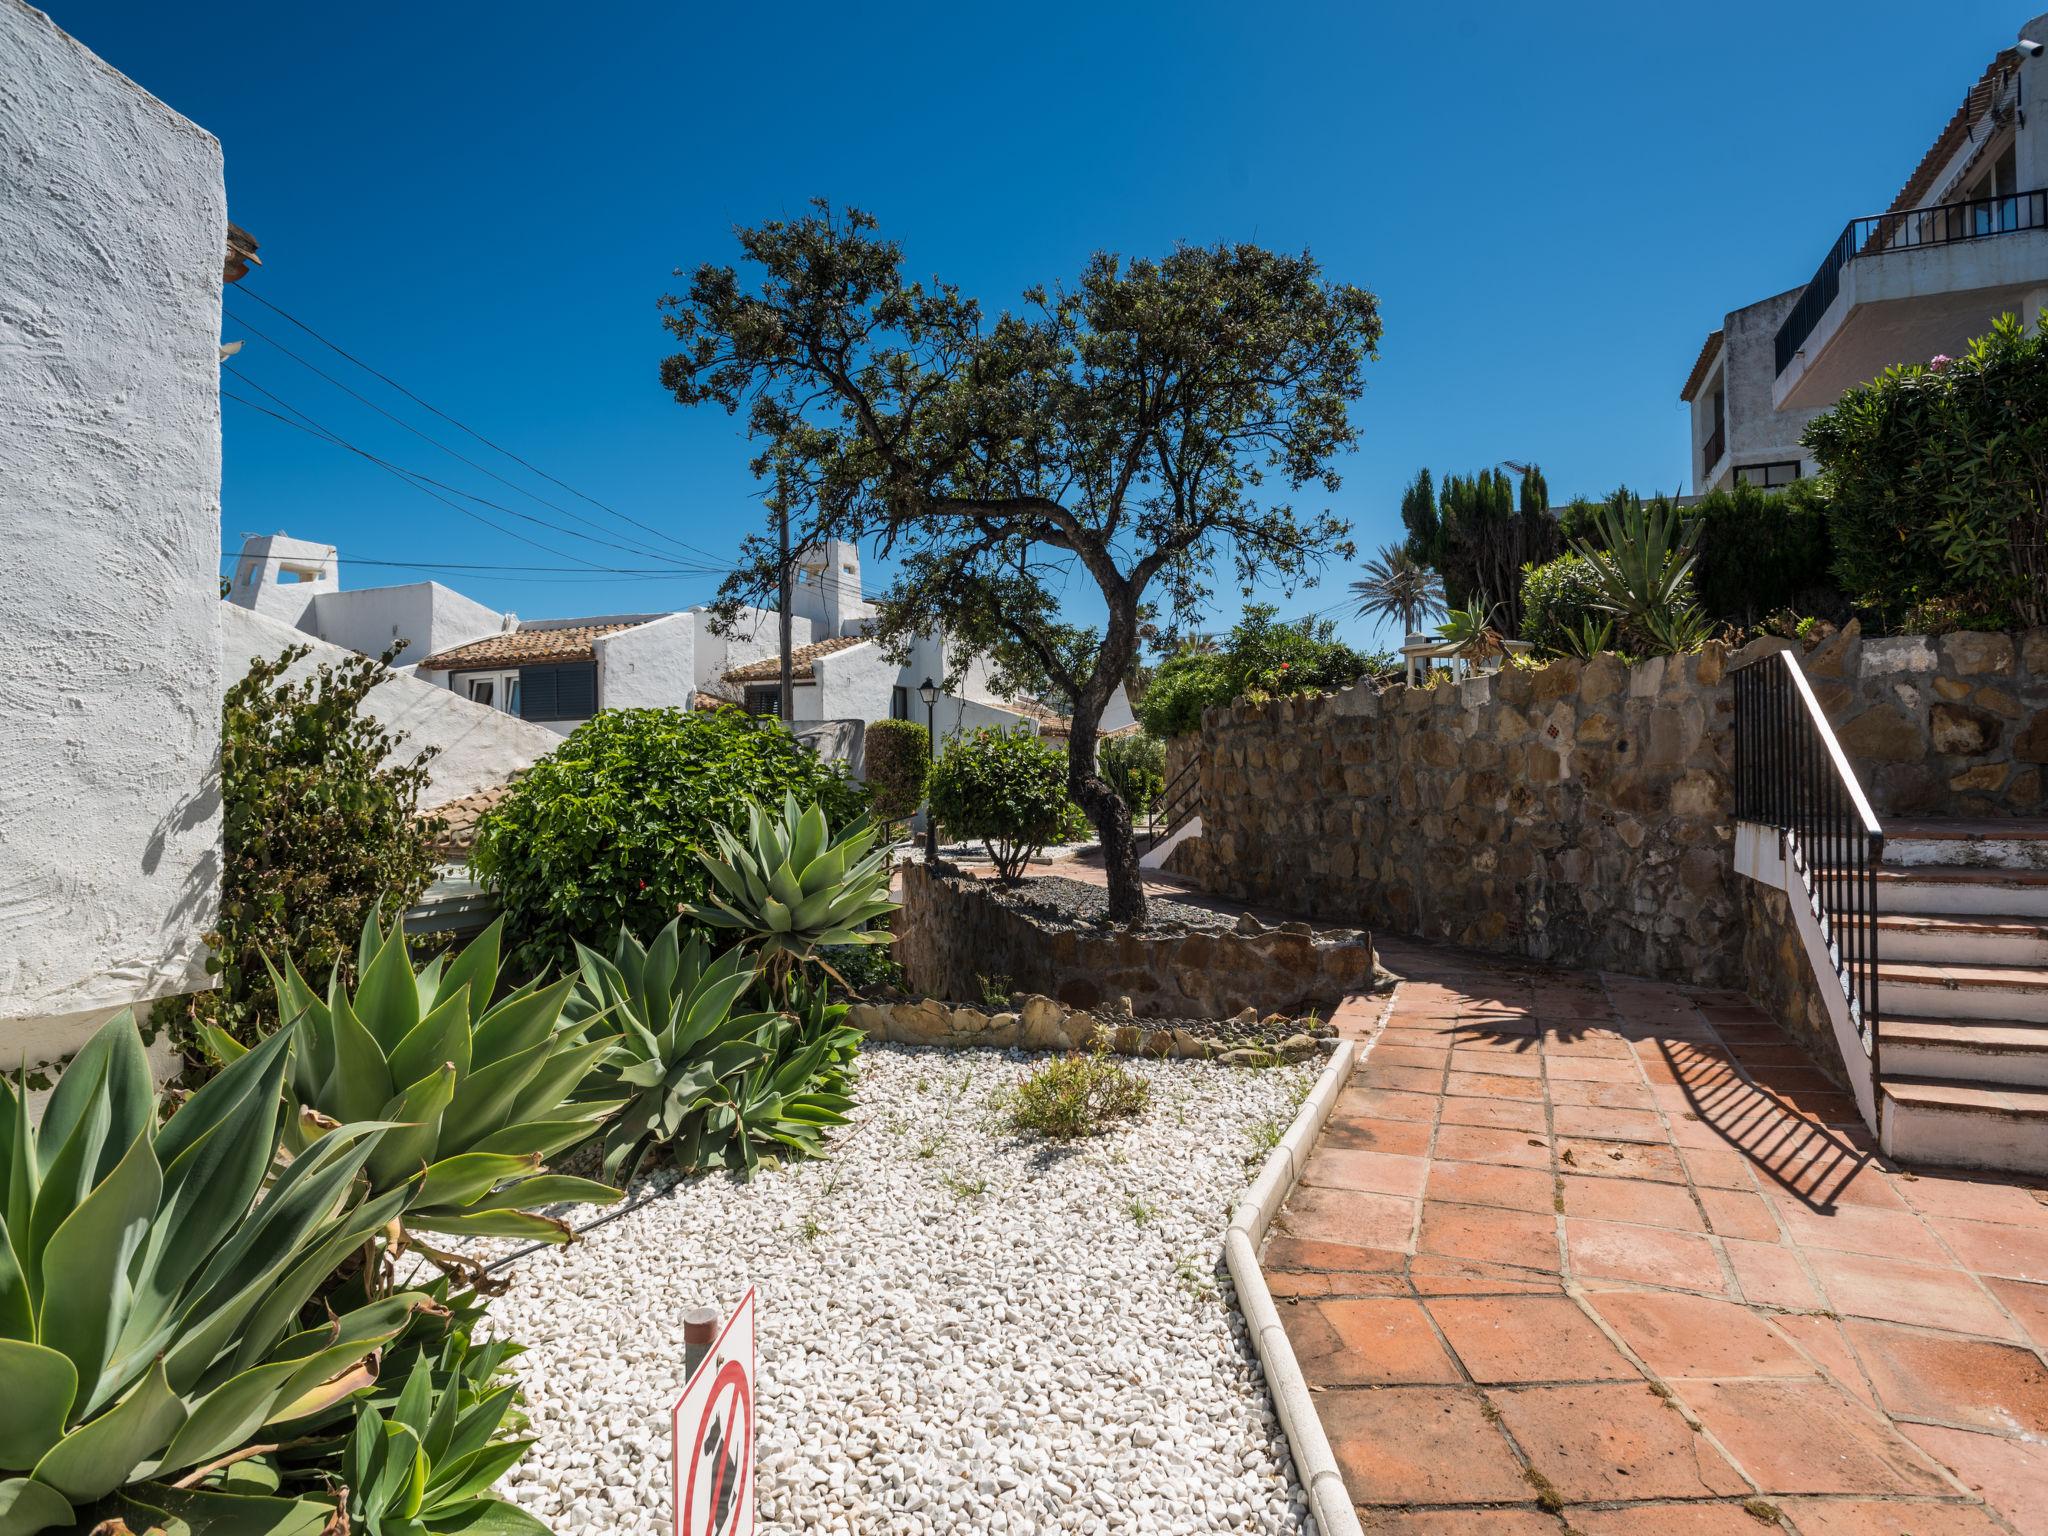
x,y
1939,361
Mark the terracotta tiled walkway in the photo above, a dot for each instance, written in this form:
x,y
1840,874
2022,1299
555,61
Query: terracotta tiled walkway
x,y
1582,1253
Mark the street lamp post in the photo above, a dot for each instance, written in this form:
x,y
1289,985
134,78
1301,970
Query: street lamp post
x,y
929,692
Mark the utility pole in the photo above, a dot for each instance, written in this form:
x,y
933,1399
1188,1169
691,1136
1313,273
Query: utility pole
x,y
788,701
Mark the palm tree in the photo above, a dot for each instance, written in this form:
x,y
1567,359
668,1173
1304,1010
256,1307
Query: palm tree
x,y
1398,586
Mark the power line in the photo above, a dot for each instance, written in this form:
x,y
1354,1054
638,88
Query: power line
x,y
631,549
313,428
471,431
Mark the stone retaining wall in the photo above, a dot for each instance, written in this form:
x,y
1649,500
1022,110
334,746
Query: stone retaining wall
x,y
1577,812
953,930
1038,1023
1947,725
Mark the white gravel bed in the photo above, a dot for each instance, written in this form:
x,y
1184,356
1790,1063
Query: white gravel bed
x,y
961,1330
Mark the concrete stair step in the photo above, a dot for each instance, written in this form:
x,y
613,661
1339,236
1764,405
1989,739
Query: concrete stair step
x,y
1961,888
1965,1124
2013,993
2017,842
1942,938
2004,1052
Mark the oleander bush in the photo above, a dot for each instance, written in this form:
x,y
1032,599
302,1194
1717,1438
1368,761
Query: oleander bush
x,y
319,826
1006,790
600,833
1938,475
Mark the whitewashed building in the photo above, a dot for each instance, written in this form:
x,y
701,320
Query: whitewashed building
x,y
1965,241
114,241
557,673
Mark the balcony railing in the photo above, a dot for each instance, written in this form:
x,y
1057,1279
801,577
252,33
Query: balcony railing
x,y
1716,445
1948,224
1791,774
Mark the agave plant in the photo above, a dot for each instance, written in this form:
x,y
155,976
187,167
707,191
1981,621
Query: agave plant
x,y
1591,637
1642,569
480,1091
151,1280
1471,631
709,1087
793,887
417,1453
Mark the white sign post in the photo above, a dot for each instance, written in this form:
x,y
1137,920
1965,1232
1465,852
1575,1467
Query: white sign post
x,y
713,1429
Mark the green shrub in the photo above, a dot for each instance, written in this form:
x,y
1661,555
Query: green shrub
x,y
1939,481
1761,551
478,1088
897,754
1262,657
152,1277
704,1085
318,828
1135,766
1007,791
1072,1096
1642,565
1558,596
600,834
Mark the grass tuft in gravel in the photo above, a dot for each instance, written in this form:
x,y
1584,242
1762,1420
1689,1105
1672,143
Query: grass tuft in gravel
x,y
1075,1096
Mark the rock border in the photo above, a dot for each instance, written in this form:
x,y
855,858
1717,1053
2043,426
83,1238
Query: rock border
x,y
1039,1023
1314,1462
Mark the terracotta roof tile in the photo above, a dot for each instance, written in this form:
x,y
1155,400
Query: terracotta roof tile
x,y
769,668
1981,98
460,816
521,647
1701,364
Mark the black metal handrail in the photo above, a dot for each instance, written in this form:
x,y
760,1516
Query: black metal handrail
x,y
1177,803
1945,224
1791,774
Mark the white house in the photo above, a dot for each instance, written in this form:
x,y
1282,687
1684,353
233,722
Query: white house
x,y
557,673
114,241
1965,241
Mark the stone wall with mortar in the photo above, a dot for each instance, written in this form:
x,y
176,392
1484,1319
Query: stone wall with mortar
x,y
1036,1023
1940,725
1578,812
954,930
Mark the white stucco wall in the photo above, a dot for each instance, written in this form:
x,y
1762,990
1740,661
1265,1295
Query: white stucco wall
x,y
479,746
426,615
651,665
113,219
1758,432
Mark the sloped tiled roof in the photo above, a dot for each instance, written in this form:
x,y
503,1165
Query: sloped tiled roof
x,y
460,817
769,668
1981,98
525,647
1698,376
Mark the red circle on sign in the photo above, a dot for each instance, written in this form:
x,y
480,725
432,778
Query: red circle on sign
x,y
731,1380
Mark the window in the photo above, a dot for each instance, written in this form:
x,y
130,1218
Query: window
x,y
500,690
565,692
1782,473
481,689
765,701
899,702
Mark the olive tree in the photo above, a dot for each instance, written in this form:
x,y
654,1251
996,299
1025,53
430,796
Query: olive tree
x,y
1136,429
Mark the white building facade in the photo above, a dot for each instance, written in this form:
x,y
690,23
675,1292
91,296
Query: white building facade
x,y
113,239
1965,241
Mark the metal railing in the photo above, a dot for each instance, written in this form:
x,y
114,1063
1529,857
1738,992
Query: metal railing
x,y
1176,804
1791,774
1710,454
1911,228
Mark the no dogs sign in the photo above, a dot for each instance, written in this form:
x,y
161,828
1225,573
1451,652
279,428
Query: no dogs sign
x,y
713,1426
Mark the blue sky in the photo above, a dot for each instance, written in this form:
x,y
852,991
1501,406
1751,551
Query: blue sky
x,y
1554,204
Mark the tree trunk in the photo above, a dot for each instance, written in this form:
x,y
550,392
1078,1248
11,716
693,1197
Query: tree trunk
x,y
1103,806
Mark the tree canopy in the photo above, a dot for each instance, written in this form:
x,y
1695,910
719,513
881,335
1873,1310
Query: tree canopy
x,y
1137,429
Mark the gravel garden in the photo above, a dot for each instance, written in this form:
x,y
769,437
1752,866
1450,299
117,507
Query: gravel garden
x,y
962,1327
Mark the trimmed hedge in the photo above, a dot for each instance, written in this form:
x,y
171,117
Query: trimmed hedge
x,y
1005,790
898,754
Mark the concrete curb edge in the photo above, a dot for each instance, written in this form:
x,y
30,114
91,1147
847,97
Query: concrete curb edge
x,y
1314,1462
